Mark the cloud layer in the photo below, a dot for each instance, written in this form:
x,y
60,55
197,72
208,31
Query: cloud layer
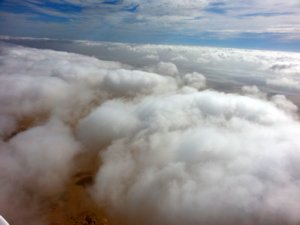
x,y
153,145
224,68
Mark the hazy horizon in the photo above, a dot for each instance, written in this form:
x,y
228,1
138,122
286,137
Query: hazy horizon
x,y
19,39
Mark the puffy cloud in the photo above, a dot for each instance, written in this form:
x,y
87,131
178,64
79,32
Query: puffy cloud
x,y
279,100
110,121
168,152
221,66
35,95
195,80
253,91
283,103
45,166
130,83
40,88
204,158
166,68
73,83
224,66
284,83
35,166
37,152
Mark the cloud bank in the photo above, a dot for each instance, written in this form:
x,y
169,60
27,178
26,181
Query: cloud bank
x,y
271,71
225,69
155,147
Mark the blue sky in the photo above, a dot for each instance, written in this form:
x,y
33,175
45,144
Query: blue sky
x,y
268,24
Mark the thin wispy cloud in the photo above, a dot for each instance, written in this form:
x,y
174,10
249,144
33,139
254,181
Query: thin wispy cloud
x,y
153,21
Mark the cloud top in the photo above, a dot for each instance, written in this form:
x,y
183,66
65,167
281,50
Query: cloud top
x,y
155,147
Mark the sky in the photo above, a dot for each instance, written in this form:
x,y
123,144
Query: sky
x,y
270,24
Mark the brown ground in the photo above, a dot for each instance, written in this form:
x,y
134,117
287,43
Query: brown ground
x,y
75,206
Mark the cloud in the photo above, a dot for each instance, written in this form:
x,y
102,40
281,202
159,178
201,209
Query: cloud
x,y
194,148
106,123
130,83
284,83
156,20
136,147
38,157
253,91
35,167
283,103
195,80
40,88
166,68
222,65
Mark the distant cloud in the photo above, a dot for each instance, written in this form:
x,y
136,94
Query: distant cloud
x,y
266,14
195,80
284,83
166,68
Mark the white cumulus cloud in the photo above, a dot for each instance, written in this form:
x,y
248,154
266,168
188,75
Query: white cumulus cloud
x,y
165,146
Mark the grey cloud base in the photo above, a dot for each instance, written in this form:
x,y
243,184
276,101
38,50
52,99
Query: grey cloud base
x,y
171,151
